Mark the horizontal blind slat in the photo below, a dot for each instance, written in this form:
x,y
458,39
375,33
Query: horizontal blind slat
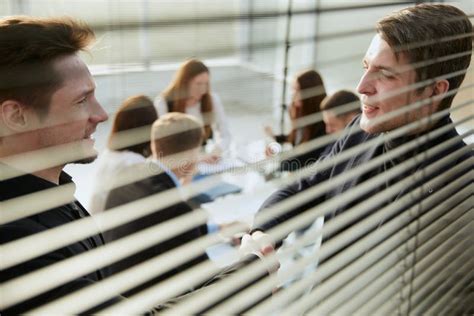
x,y
353,286
450,201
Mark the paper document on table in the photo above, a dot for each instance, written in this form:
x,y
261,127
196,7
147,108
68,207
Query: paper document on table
x,y
225,164
238,207
222,189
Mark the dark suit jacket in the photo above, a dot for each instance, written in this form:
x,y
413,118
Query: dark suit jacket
x,y
303,160
353,138
134,191
153,185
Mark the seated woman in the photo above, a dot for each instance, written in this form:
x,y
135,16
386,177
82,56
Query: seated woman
x,y
308,93
190,93
128,144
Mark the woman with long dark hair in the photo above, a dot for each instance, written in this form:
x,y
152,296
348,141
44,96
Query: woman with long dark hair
x,y
128,144
308,92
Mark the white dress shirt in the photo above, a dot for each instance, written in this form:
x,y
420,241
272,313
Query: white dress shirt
x,y
221,134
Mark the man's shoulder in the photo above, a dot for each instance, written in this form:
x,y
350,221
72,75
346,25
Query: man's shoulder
x,y
40,222
150,181
21,228
352,136
451,134
157,181
144,173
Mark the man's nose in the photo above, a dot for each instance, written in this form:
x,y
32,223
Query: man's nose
x,y
99,115
366,84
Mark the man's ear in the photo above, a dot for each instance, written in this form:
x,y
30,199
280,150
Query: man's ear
x,y
440,88
14,115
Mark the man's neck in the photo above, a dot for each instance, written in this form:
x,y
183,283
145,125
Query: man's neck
x,y
51,174
181,175
424,128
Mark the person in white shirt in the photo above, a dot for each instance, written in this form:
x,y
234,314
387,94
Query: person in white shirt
x,y
190,93
128,144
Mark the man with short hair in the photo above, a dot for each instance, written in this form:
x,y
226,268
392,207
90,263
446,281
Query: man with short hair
x,y
176,144
176,140
413,68
336,114
49,111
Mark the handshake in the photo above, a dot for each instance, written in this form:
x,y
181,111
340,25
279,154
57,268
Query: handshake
x,y
257,243
261,245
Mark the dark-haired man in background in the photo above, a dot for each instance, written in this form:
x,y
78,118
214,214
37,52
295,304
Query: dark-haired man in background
x,y
335,115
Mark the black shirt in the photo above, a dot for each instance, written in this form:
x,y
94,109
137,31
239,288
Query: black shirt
x,y
67,213
23,227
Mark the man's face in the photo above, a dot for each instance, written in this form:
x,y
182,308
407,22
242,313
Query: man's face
x,y
73,111
385,74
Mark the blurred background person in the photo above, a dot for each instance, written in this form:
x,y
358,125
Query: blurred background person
x,y
308,92
128,144
339,109
190,93
176,140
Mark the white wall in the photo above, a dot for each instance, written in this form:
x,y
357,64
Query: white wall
x,y
119,44
257,43
338,59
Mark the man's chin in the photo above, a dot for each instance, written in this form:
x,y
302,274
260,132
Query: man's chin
x,y
88,156
85,160
368,126
89,153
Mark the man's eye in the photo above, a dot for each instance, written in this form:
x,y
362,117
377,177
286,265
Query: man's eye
x,y
387,74
82,101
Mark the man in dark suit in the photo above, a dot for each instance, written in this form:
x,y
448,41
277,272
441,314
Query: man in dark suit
x,y
403,68
176,142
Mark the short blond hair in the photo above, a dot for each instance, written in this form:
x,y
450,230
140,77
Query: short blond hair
x,y
176,132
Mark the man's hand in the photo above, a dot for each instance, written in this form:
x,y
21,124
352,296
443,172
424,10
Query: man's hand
x,y
257,242
233,237
261,245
